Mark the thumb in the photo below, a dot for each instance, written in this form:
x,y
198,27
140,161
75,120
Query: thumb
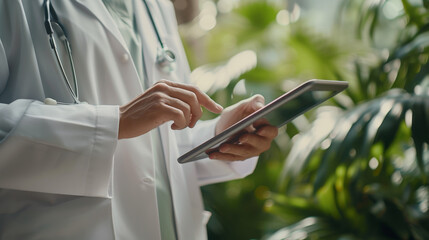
x,y
252,104
257,102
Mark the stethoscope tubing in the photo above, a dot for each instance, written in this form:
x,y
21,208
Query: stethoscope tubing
x,y
75,93
158,36
165,60
50,18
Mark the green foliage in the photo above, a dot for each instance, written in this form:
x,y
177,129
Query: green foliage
x,y
368,172
355,168
256,20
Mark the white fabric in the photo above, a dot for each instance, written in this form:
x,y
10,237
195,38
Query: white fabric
x,y
163,189
63,174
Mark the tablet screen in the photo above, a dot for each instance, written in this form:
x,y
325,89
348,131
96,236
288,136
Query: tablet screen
x,y
296,106
278,112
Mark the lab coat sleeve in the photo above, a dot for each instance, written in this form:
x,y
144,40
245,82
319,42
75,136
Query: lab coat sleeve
x,y
213,171
61,149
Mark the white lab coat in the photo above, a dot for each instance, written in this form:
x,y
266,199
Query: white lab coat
x,y
63,174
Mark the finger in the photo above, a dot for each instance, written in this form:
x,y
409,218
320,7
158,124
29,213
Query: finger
x,y
250,128
189,98
184,109
243,150
250,145
250,106
258,143
256,125
175,115
258,101
226,156
203,98
268,131
169,109
254,103
261,122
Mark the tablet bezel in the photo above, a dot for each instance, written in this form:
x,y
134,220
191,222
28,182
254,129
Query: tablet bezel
x,y
310,85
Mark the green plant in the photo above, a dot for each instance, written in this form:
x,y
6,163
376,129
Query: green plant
x,y
357,169
286,56
365,175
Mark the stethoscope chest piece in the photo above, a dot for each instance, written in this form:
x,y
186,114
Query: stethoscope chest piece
x,y
166,60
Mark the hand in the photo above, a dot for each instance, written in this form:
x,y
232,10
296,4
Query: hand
x,y
165,101
258,137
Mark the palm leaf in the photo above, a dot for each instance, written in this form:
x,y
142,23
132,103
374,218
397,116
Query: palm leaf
x,y
420,120
360,128
300,155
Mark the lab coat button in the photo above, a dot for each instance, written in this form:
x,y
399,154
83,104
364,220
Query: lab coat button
x,y
125,57
147,180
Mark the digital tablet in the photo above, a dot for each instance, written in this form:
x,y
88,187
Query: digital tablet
x,y
278,112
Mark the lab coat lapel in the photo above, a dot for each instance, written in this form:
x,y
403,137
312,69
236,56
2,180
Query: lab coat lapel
x,y
187,207
97,8
99,11
149,40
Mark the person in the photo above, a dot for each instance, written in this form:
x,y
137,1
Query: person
x,y
102,164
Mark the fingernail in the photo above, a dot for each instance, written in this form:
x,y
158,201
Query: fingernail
x,y
218,106
258,104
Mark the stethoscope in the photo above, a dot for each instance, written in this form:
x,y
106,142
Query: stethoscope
x,y
165,59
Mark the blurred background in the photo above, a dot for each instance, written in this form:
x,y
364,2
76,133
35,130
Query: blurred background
x,y
354,168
